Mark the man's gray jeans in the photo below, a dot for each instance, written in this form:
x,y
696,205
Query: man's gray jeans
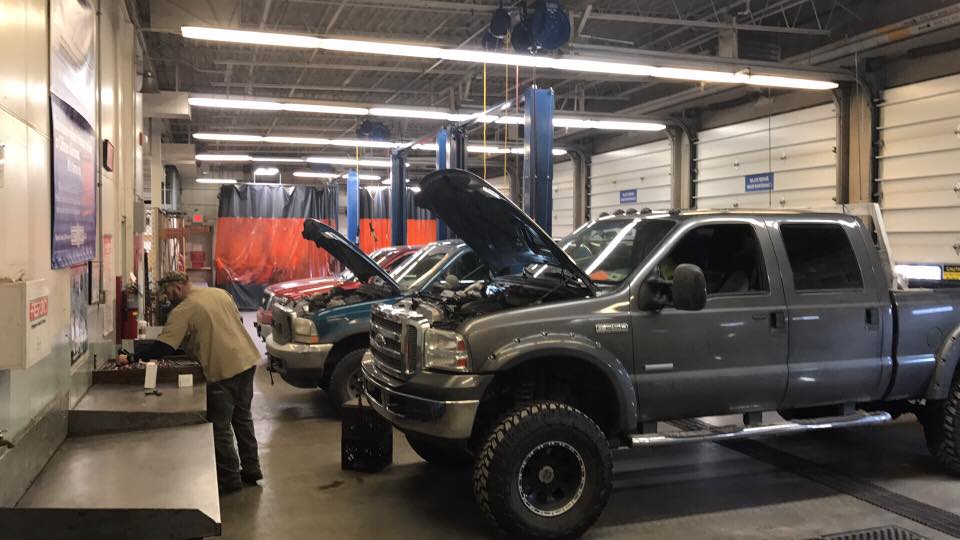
x,y
228,409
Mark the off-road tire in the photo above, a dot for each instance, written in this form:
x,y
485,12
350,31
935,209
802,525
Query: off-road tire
x,y
439,454
339,391
941,427
497,472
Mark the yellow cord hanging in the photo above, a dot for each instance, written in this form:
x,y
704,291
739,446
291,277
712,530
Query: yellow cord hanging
x,y
484,123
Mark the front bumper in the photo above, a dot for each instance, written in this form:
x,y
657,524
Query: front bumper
x,y
442,418
299,364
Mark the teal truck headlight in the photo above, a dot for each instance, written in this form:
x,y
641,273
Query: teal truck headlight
x,y
304,331
445,351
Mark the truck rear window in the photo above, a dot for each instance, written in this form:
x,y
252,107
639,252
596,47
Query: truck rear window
x,y
821,257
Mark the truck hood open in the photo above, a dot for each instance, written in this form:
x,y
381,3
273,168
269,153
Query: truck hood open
x,y
497,230
345,251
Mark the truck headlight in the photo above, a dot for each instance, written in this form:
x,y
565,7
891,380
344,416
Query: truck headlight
x,y
445,351
304,331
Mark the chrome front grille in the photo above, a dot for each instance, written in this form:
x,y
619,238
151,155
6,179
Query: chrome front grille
x,y
395,340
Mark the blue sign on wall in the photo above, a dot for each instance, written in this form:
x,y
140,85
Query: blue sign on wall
x,y
758,182
628,196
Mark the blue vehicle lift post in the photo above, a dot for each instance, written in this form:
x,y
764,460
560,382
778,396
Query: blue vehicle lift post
x,y
353,206
538,156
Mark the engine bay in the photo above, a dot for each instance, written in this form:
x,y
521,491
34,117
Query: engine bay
x,y
450,303
341,296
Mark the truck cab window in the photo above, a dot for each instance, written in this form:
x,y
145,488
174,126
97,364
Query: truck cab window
x,y
729,256
821,257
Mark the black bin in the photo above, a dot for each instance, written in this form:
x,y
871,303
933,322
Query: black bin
x,y
366,439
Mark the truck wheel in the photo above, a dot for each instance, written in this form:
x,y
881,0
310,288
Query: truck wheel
x,y
545,472
346,381
438,454
941,420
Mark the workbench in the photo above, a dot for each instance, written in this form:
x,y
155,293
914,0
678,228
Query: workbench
x,y
119,407
154,484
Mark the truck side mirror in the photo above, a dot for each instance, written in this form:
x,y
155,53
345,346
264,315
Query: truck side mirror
x,y
689,288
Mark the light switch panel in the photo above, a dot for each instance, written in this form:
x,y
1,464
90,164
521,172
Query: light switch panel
x,y
3,160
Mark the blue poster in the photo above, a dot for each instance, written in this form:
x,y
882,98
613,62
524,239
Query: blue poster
x,y
758,182
74,187
628,196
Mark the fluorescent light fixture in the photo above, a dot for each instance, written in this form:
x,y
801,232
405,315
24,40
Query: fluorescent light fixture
x,y
311,174
364,176
232,137
238,103
216,181
266,171
276,159
222,157
582,65
283,139
254,38
919,271
615,125
364,144
410,113
325,109
350,162
431,114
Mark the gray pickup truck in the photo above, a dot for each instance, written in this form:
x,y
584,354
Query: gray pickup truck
x,y
569,351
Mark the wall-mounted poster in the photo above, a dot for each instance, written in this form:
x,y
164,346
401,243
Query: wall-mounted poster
x,y
72,59
79,297
74,187
72,106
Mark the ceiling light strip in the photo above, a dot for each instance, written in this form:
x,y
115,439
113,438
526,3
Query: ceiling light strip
x,y
485,57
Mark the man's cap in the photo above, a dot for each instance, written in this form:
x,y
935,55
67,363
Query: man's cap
x,y
173,277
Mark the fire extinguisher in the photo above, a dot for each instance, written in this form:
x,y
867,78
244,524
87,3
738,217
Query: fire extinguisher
x,y
130,311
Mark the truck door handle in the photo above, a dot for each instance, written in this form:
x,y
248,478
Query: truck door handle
x,y
778,320
872,317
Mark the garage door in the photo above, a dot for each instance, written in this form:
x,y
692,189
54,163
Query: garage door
x,y
563,188
783,161
635,177
919,173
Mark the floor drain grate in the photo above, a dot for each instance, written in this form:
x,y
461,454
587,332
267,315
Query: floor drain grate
x,y
880,533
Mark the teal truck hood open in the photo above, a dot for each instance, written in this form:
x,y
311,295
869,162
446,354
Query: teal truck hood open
x,y
345,251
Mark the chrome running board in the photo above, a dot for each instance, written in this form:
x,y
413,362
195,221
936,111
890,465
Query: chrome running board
x,y
723,433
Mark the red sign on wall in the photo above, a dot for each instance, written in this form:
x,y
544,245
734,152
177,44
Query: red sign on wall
x,y
39,307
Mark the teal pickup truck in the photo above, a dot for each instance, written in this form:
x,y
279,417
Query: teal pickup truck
x,y
319,341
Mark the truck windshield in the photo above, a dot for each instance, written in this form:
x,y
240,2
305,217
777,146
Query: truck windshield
x,y
420,267
608,250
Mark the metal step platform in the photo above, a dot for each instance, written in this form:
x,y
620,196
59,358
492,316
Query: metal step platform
x,y
723,433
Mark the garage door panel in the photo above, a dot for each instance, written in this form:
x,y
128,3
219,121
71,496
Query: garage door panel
x,y
925,109
799,147
645,168
944,186
563,191
800,116
926,248
804,198
778,166
628,178
743,200
918,220
940,142
901,200
920,165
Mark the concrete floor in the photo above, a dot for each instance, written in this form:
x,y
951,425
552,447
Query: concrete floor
x,y
695,491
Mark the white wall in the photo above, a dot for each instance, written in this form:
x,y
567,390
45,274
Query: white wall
x,y
25,196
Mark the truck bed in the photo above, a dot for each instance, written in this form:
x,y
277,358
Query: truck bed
x,y
922,320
